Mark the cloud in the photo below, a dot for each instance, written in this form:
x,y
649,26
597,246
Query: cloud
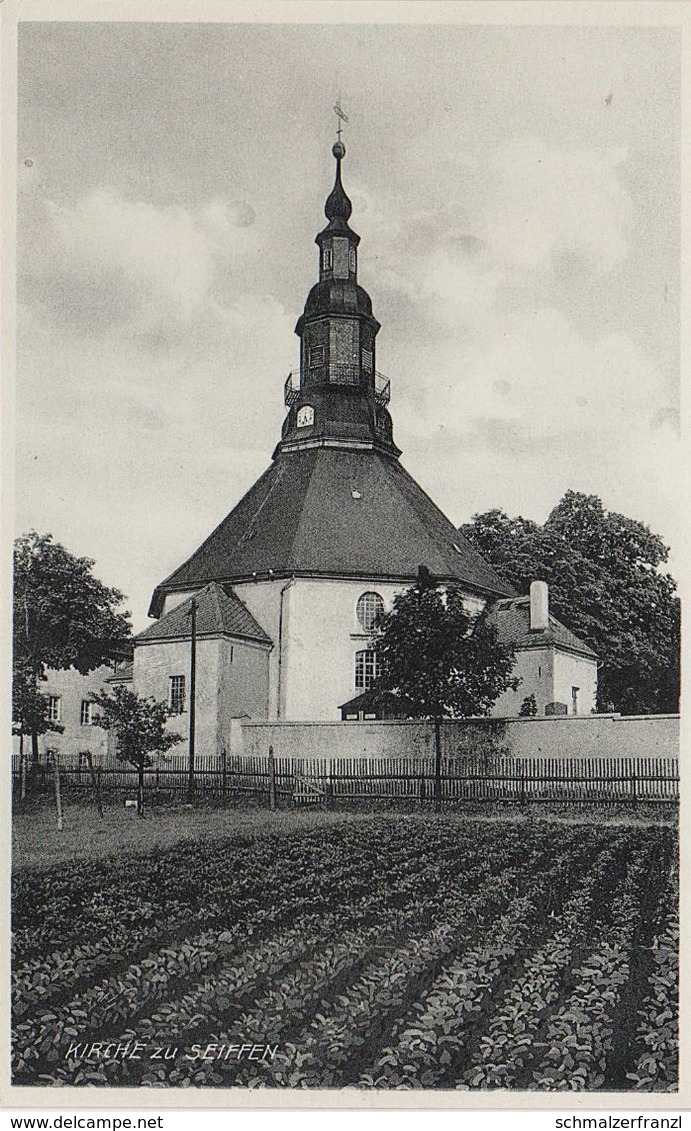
x,y
224,216
541,203
532,371
459,283
512,388
523,229
510,363
108,264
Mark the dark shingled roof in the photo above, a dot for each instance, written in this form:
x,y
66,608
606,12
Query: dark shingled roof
x,y
335,512
384,702
513,626
123,675
219,612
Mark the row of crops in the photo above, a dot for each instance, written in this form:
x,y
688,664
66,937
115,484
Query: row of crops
x,y
386,953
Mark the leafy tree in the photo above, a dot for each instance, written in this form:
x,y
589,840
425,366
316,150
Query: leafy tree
x,y
63,617
29,707
139,726
606,585
528,707
438,660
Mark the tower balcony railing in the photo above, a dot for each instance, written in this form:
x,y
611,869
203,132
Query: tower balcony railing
x,y
382,389
338,373
291,389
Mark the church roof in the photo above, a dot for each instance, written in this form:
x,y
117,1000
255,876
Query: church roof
x,y
512,619
384,703
220,612
124,674
334,512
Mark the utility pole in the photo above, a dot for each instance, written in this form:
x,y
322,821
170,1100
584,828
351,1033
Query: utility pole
x,y
193,687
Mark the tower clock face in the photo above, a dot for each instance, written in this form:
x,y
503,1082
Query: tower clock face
x,y
305,416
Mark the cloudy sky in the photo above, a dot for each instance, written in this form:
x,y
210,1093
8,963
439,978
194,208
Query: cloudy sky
x,y
517,194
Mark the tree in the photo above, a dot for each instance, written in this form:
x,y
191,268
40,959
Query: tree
x,y
438,660
139,725
30,712
528,707
63,617
606,585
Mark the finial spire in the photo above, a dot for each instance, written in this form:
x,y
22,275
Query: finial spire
x,y
338,207
341,116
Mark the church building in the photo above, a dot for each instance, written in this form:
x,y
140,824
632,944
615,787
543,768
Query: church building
x,y
290,585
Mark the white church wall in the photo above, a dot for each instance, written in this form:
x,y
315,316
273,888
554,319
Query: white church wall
x,y
243,690
155,664
321,637
571,672
172,600
313,659
264,601
535,669
316,634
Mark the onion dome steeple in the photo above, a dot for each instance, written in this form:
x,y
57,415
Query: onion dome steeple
x,y
338,208
338,399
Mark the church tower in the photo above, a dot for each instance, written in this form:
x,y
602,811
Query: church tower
x,y
295,578
338,398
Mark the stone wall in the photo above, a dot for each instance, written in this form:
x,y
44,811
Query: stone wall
x,y
570,736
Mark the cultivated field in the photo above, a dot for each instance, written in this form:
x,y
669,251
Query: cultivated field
x,y
382,952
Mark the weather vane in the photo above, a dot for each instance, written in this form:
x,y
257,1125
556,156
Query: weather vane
x,y
340,116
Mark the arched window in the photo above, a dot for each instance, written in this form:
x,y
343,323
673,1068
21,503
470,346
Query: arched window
x,y
366,669
370,610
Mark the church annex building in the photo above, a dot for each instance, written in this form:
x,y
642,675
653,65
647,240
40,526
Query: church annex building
x,y
290,585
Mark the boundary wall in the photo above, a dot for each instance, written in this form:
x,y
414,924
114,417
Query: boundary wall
x,y
579,736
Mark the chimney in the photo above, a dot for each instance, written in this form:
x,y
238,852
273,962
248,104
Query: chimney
x,y
539,606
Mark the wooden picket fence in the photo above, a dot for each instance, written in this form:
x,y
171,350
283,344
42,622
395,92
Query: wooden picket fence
x,y
277,780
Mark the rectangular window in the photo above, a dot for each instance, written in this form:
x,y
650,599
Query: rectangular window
x,y
366,668
574,700
367,361
327,259
54,708
316,356
176,699
87,714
